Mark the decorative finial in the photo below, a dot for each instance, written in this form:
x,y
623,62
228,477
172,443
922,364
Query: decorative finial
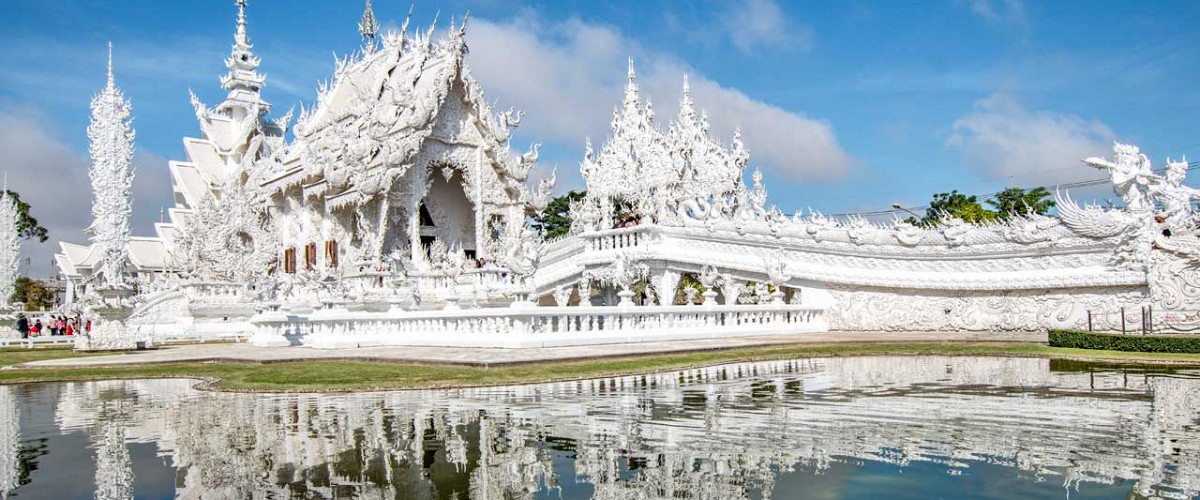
x,y
241,20
687,108
111,81
631,89
368,27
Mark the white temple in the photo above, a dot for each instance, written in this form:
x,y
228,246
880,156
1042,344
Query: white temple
x,y
396,213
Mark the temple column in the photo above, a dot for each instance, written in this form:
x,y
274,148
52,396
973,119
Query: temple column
x,y
416,191
585,292
480,248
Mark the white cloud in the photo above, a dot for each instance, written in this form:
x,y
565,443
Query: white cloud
x,y
52,177
761,24
1008,140
1000,11
569,76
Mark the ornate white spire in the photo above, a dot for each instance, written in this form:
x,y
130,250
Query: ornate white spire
x,y
242,81
631,87
687,108
110,144
10,245
368,28
111,82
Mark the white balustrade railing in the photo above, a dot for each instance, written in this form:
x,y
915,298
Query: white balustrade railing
x,y
537,326
215,290
488,277
615,239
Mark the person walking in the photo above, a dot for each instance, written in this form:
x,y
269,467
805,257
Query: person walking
x,y
23,326
37,328
60,325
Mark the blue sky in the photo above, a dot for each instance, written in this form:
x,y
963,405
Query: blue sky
x,y
846,106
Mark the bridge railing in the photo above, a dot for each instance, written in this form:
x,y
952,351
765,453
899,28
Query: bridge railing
x,y
1144,320
39,341
538,326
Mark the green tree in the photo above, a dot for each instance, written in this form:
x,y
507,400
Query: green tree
x,y
955,204
33,293
27,225
1017,201
555,220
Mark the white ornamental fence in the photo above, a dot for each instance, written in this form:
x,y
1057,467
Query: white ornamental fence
x,y
531,326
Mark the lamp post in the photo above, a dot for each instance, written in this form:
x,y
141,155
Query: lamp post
x,y
898,207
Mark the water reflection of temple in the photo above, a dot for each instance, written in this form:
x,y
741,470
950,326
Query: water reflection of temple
x,y
722,432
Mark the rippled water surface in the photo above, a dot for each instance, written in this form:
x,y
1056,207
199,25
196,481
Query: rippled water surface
x,y
874,427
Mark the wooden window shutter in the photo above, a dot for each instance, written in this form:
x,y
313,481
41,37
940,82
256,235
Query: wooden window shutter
x,y
289,261
331,253
310,256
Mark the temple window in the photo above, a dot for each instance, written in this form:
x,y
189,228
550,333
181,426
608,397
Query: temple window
x,y
426,219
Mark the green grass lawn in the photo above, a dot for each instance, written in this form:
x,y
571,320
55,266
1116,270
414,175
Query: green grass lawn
x,y
365,375
14,355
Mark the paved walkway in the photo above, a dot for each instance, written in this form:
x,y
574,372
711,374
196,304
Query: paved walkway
x,y
484,357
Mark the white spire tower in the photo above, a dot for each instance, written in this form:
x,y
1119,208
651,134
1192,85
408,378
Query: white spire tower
x,y
110,144
369,29
243,81
10,245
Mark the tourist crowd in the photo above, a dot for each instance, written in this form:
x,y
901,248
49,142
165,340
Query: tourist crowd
x,y
52,325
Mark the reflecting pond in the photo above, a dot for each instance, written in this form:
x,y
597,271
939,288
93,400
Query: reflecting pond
x,y
866,427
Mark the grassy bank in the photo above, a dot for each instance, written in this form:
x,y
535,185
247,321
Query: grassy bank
x,y
363,375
